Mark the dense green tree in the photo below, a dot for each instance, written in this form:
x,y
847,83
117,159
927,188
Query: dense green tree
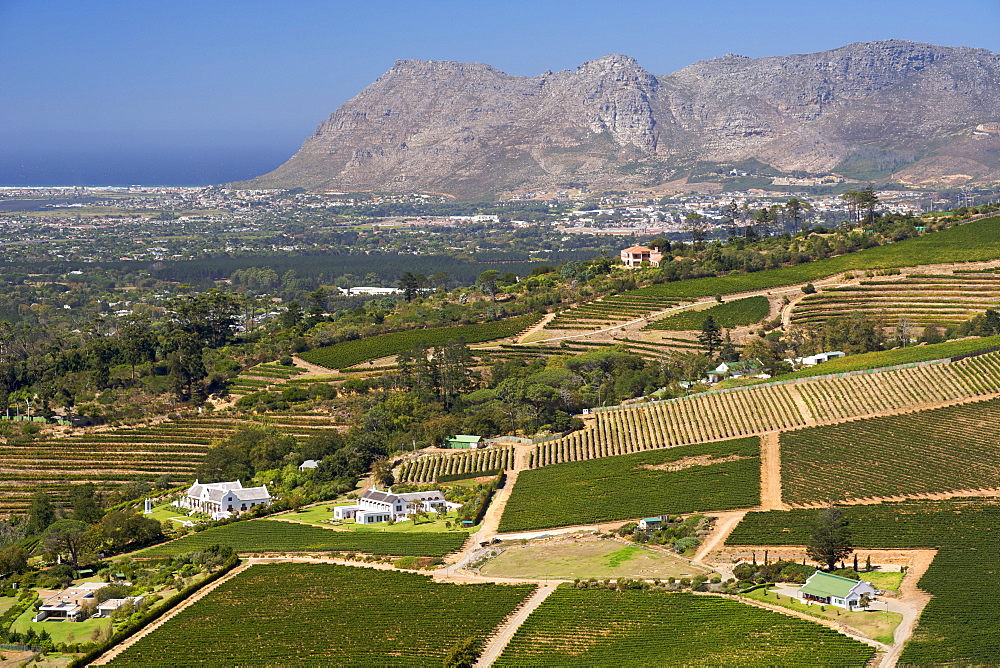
x,y
488,283
41,514
67,538
710,337
185,363
13,560
463,654
120,528
830,541
84,503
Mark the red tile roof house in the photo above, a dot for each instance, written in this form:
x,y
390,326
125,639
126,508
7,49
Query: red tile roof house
x,y
634,257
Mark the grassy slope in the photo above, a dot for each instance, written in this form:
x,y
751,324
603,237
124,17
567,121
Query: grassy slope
x,y
971,242
883,358
349,353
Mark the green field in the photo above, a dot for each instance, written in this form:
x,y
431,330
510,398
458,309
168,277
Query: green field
x,y
587,559
580,627
257,536
325,615
737,313
883,358
627,486
960,624
941,450
349,353
971,242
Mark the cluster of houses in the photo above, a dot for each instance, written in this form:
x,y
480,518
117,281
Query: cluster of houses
x,y
376,506
79,602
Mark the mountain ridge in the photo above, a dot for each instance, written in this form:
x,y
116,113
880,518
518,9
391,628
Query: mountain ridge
x,y
905,110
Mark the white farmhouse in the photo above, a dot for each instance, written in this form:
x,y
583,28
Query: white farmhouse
x,y
222,499
827,589
376,506
813,360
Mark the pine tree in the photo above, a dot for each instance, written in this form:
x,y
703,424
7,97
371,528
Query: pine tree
x,y
831,538
710,338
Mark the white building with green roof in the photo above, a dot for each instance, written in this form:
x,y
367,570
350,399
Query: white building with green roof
x,y
827,589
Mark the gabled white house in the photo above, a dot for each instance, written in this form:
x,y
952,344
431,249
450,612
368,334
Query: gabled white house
x,y
222,499
376,506
309,464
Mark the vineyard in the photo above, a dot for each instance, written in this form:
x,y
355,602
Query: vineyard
x,y
107,459
263,377
429,467
258,536
737,313
322,614
349,353
971,242
909,355
598,627
940,450
706,476
961,624
865,394
944,300
703,417
771,407
608,311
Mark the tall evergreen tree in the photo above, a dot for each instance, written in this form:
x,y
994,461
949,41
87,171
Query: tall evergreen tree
x,y
710,337
831,538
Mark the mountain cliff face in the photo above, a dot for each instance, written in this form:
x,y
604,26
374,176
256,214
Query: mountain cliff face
x,y
919,113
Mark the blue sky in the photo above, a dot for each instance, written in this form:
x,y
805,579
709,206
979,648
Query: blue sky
x,y
213,90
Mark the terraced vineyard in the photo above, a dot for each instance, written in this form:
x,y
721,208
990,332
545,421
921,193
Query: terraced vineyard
x,y
771,407
262,377
173,448
865,394
704,476
428,467
969,242
609,311
920,298
581,627
736,313
961,623
322,614
943,450
704,417
257,536
109,458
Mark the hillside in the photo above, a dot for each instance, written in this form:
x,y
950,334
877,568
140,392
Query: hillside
x,y
469,129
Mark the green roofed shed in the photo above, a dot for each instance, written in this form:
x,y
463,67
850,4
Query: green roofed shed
x,y
463,441
830,589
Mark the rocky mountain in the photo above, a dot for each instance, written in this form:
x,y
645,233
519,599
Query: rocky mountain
x,y
914,113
